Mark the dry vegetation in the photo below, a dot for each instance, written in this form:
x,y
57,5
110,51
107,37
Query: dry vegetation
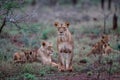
x,y
35,23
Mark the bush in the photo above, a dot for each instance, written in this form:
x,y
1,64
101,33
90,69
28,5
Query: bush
x,y
78,68
46,69
28,68
48,33
89,73
45,35
114,68
28,76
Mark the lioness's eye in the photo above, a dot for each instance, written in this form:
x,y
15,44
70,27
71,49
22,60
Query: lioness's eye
x,y
58,28
49,47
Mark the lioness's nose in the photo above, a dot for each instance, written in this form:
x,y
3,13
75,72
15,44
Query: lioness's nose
x,y
52,51
61,32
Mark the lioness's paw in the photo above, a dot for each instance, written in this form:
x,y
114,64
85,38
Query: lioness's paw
x,y
61,68
70,69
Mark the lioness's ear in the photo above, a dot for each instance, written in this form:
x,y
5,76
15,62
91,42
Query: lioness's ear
x,y
67,24
56,24
43,43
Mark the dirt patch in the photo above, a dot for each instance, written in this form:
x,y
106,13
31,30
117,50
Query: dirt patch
x,y
80,76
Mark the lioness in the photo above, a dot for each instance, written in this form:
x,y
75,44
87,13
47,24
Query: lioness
x,y
64,46
45,52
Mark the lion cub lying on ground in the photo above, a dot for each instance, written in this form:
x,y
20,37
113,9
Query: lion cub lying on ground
x,y
45,54
23,56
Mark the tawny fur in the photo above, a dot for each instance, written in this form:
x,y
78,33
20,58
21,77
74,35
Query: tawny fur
x,y
65,46
44,54
108,50
98,48
19,57
23,56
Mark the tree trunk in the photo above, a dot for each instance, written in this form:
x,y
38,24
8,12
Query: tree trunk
x,y
109,4
74,2
4,20
115,20
104,30
102,4
53,2
33,2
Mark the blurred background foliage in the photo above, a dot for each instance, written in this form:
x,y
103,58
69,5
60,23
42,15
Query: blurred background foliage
x,y
25,23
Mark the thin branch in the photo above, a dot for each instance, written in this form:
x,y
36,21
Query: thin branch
x,y
16,25
3,24
4,21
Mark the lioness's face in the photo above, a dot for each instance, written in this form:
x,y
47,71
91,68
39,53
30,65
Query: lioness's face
x,y
62,28
48,47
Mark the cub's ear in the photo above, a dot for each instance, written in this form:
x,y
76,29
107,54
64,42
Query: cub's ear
x,y
67,24
30,52
56,24
102,41
43,43
103,36
26,52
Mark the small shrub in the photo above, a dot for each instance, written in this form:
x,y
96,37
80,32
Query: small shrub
x,y
119,46
45,35
46,69
77,68
27,68
28,76
42,72
1,74
89,73
48,33
84,60
115,68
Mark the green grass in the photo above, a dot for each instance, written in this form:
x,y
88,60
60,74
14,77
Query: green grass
x,y
31,34
29,76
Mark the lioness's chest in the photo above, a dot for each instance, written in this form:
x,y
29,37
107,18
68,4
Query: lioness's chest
x,y
65,47
46,58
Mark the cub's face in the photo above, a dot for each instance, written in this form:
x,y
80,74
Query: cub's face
x,y
105,38
48,47
61,28
29,54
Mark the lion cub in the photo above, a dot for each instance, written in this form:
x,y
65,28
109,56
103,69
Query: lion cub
x,y
45,54
22,56
107,49
100,46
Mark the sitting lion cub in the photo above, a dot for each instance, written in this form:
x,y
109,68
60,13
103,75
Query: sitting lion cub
x,y
44,53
